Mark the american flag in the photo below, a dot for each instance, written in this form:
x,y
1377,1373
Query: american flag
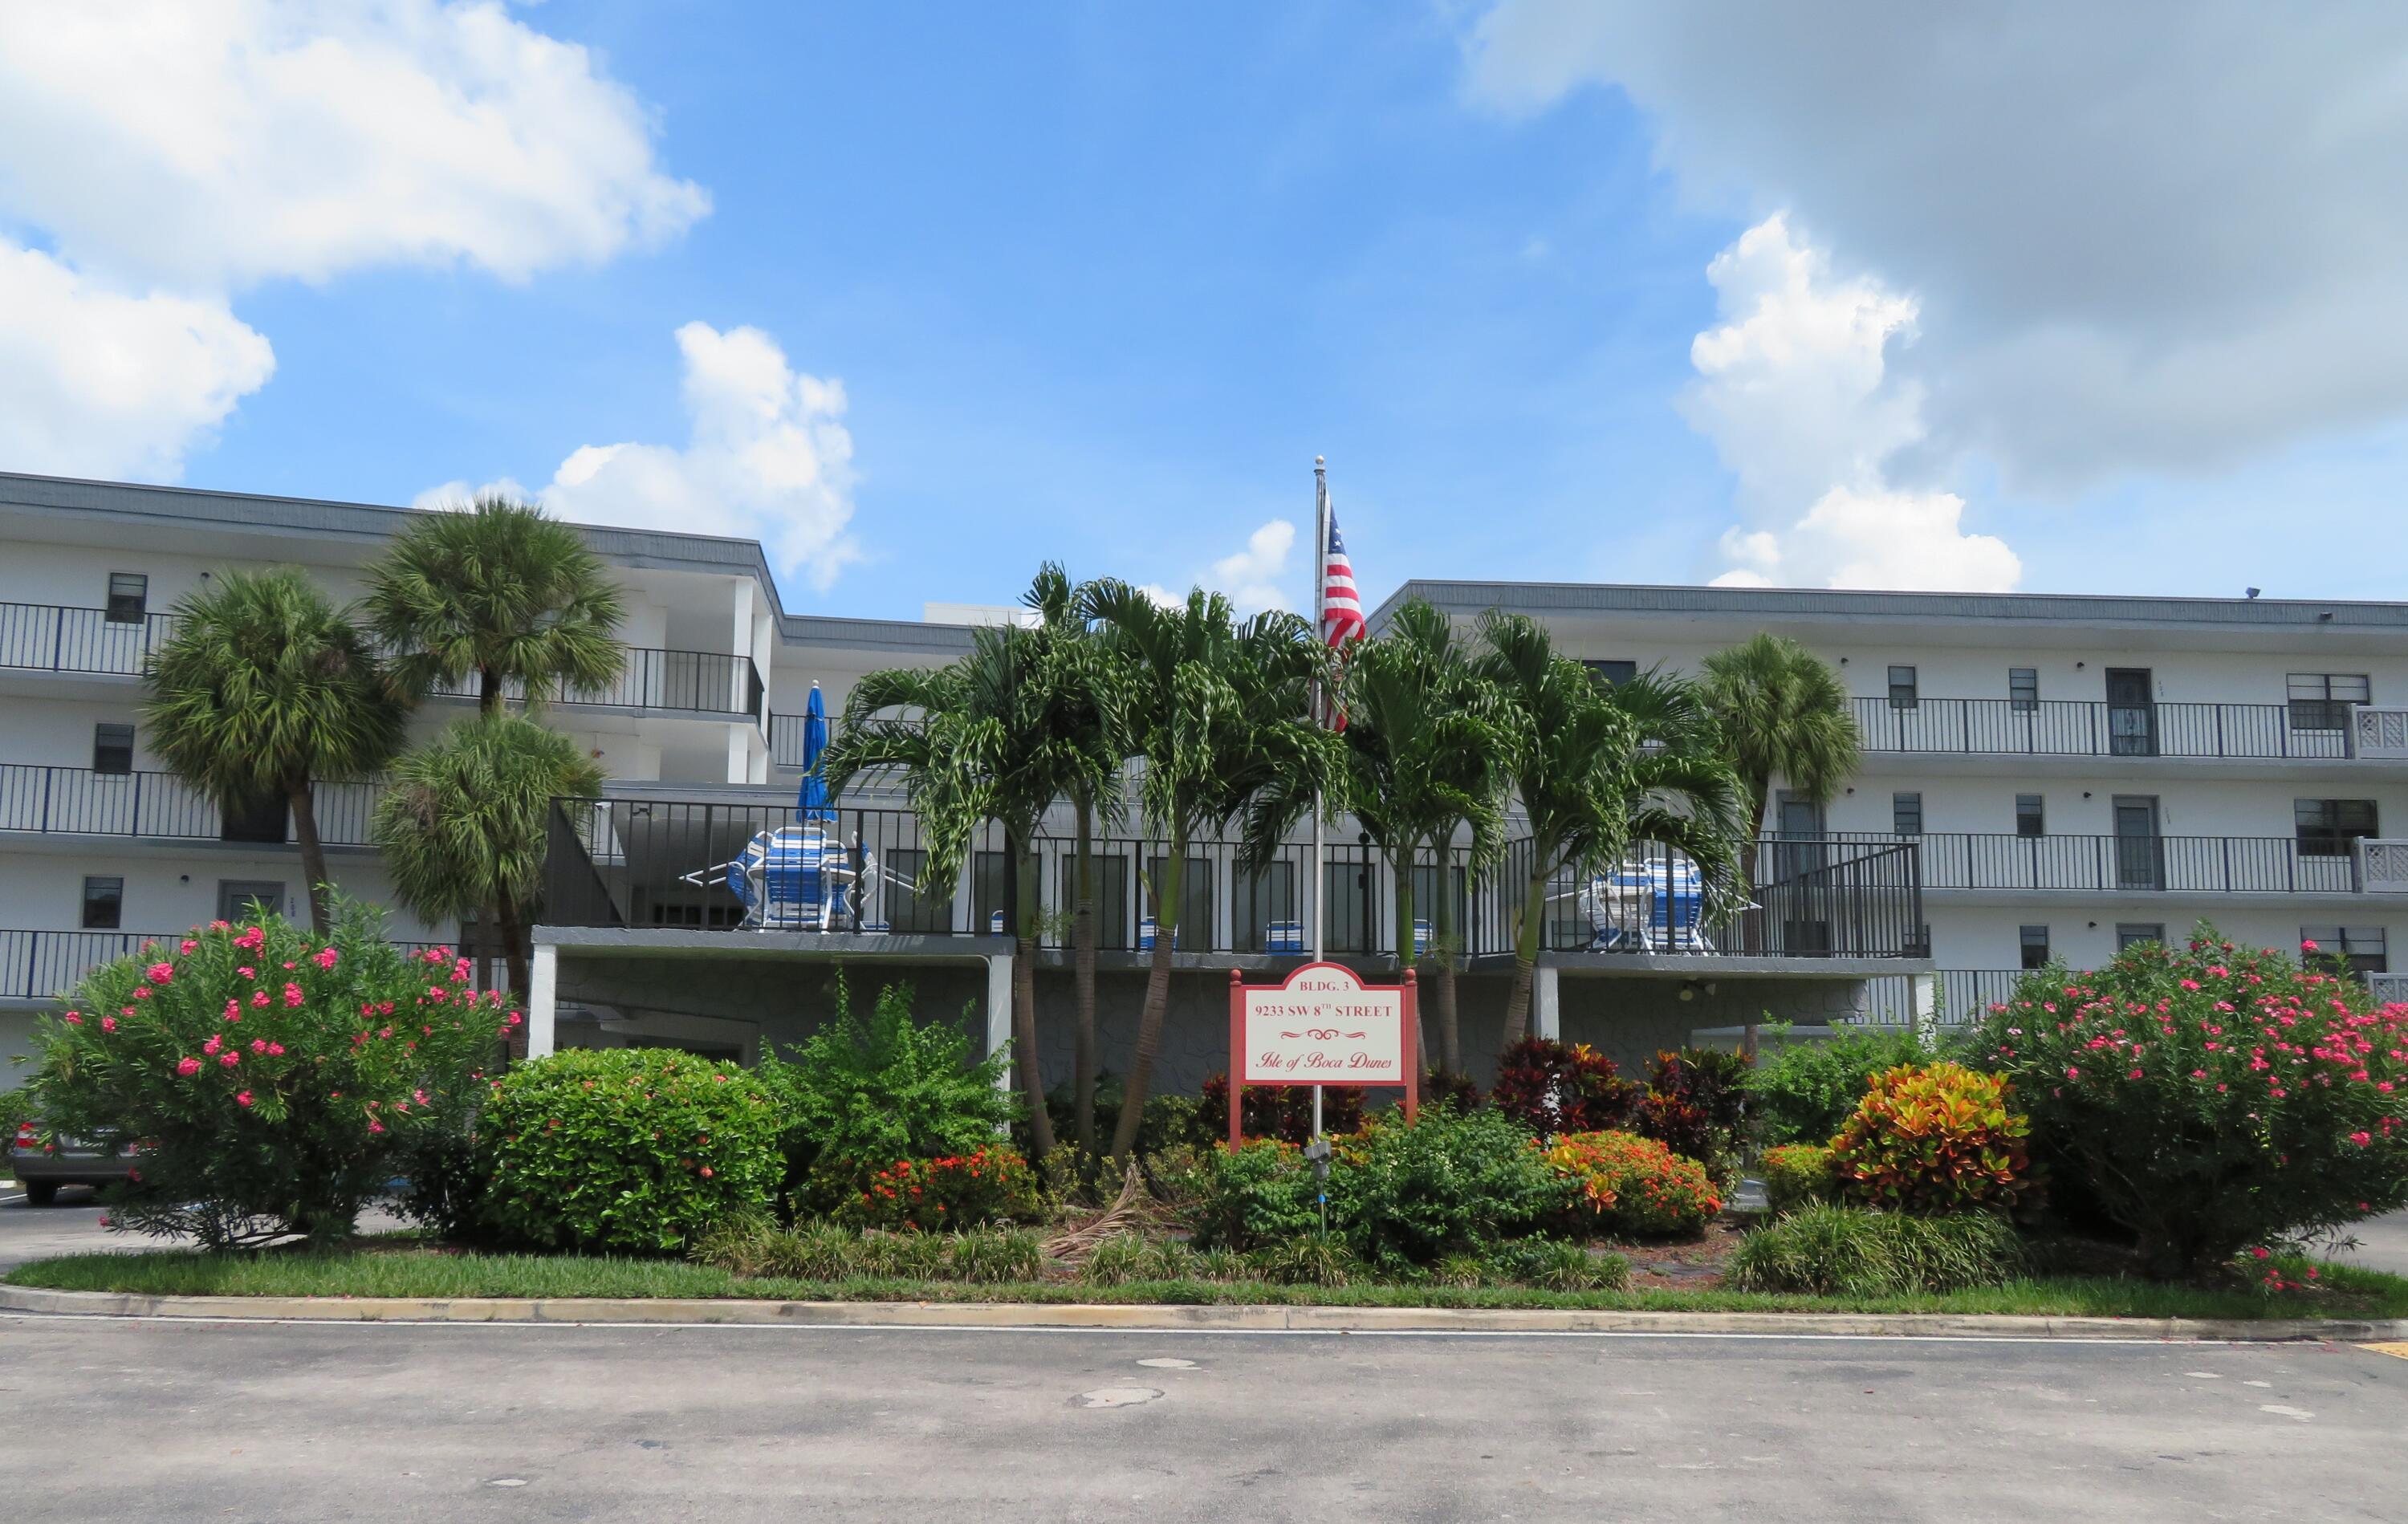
x,y
1341,608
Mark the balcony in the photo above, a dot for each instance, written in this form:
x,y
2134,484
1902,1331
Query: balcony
x,y
2157,864
2084,728
626,863
42,637
80,802
45,965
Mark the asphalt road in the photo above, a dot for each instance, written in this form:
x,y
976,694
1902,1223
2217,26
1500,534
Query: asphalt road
x,y
118,1420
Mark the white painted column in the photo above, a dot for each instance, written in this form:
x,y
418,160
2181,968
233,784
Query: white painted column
x,y
1546,1004
998,1012
544,978
1927,1001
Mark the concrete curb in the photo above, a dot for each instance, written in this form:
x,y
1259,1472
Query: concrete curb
x,y
1227,1319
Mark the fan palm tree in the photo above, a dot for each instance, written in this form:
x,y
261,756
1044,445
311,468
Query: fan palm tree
x,y
1598,766
266,689
1084,708
463,826
501,591
1784,714
1216,708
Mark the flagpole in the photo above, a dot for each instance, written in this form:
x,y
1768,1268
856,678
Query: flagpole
x,y
1320,590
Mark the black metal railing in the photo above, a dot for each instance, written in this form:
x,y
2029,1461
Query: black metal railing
x,y
2089,728
78,801
45,637
2136,865
685,682
662,864
45,965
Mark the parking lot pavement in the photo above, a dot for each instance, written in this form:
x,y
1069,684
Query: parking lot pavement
x,y
462,1422
2382,1243
70,1227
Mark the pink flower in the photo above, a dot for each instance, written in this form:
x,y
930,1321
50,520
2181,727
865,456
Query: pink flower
x,y
187,1067
292,994
219,926
384,1032
141,992
251,939
2260,1253
212,1044
324,957
259,999
375,1127
73,1020
188,947
2361,1139
418,1096
233,1011
229,1058
247,972
2073,1073
109,1024
514,1018
242,1098
2306,945
160,973
275,1050
259,1045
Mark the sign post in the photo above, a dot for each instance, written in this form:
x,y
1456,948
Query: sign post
x,y
1324,1026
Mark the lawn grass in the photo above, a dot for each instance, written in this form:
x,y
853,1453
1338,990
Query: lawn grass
x,y
396,1272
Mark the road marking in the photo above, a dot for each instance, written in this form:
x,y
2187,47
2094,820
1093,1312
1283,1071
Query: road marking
x,y
2397,1350
2281,1411
1118,1396
1149,1334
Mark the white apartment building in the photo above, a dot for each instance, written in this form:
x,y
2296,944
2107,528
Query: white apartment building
x,y
2077,773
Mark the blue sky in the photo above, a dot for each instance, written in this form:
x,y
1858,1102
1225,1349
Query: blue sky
x,y
1098,281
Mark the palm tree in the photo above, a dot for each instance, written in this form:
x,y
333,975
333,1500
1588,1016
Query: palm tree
x,y
1083,711
264,689
463,826
500,590
1784,714
1216,709
1597,766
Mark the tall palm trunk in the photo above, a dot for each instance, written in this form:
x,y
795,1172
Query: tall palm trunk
x,y
1526,933
1157,998
1400,864
488,918
511,922
1450,1029
1024,992
489,690
1082,959
313,852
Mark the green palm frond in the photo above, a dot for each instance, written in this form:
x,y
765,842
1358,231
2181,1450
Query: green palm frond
x,y
462,821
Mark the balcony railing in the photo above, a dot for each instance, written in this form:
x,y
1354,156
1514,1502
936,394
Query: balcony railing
x,y
2147,864
45,965
645,864
43,637
77,801
1964,994
2087,728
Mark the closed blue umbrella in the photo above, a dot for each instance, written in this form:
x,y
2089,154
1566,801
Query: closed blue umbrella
x,y
811,803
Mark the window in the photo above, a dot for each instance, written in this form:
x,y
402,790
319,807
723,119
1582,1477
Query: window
x,y
1113,927
2320,701
2023,688
2035,946
1614,672
2031,819
2131,933
129,597
236,896
1350,893
112,748
1906,813
1901,688
2349,949
1266,897
1195,908
103,903
989,893
2327,826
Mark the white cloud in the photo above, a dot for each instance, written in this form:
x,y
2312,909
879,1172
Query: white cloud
x,y
216,143
2141,240
1795,391
1250,577
767,457
97,382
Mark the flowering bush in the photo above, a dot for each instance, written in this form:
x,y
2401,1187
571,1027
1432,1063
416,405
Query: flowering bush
x,y
1796,1175
1696,1104
2211,1097
955,1191
1412,1191
269,1082
1622,1184
1277,1111
1936,1137
635,1149
1550,1087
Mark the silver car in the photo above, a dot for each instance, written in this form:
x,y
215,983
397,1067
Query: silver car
x,y
42,1165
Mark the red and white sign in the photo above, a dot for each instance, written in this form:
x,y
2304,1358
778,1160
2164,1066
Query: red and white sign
x,y
1325,1026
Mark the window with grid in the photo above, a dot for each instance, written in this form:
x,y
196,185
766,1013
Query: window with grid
x,y
2350,949
2034,941
1614,672
103,903
1906,813
2031,816
2320,701
112,748
1901,689
2131,933
129,597
2023,688
2327,826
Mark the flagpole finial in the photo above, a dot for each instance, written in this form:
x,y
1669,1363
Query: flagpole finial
x,y
1318,461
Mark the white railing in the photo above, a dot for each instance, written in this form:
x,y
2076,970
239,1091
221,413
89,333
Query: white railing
x,y
2388,989
2382,866
2379,733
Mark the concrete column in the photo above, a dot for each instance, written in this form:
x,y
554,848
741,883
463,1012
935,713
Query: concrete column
x,y
998,1012
1546,1004
1927,1001
543,977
